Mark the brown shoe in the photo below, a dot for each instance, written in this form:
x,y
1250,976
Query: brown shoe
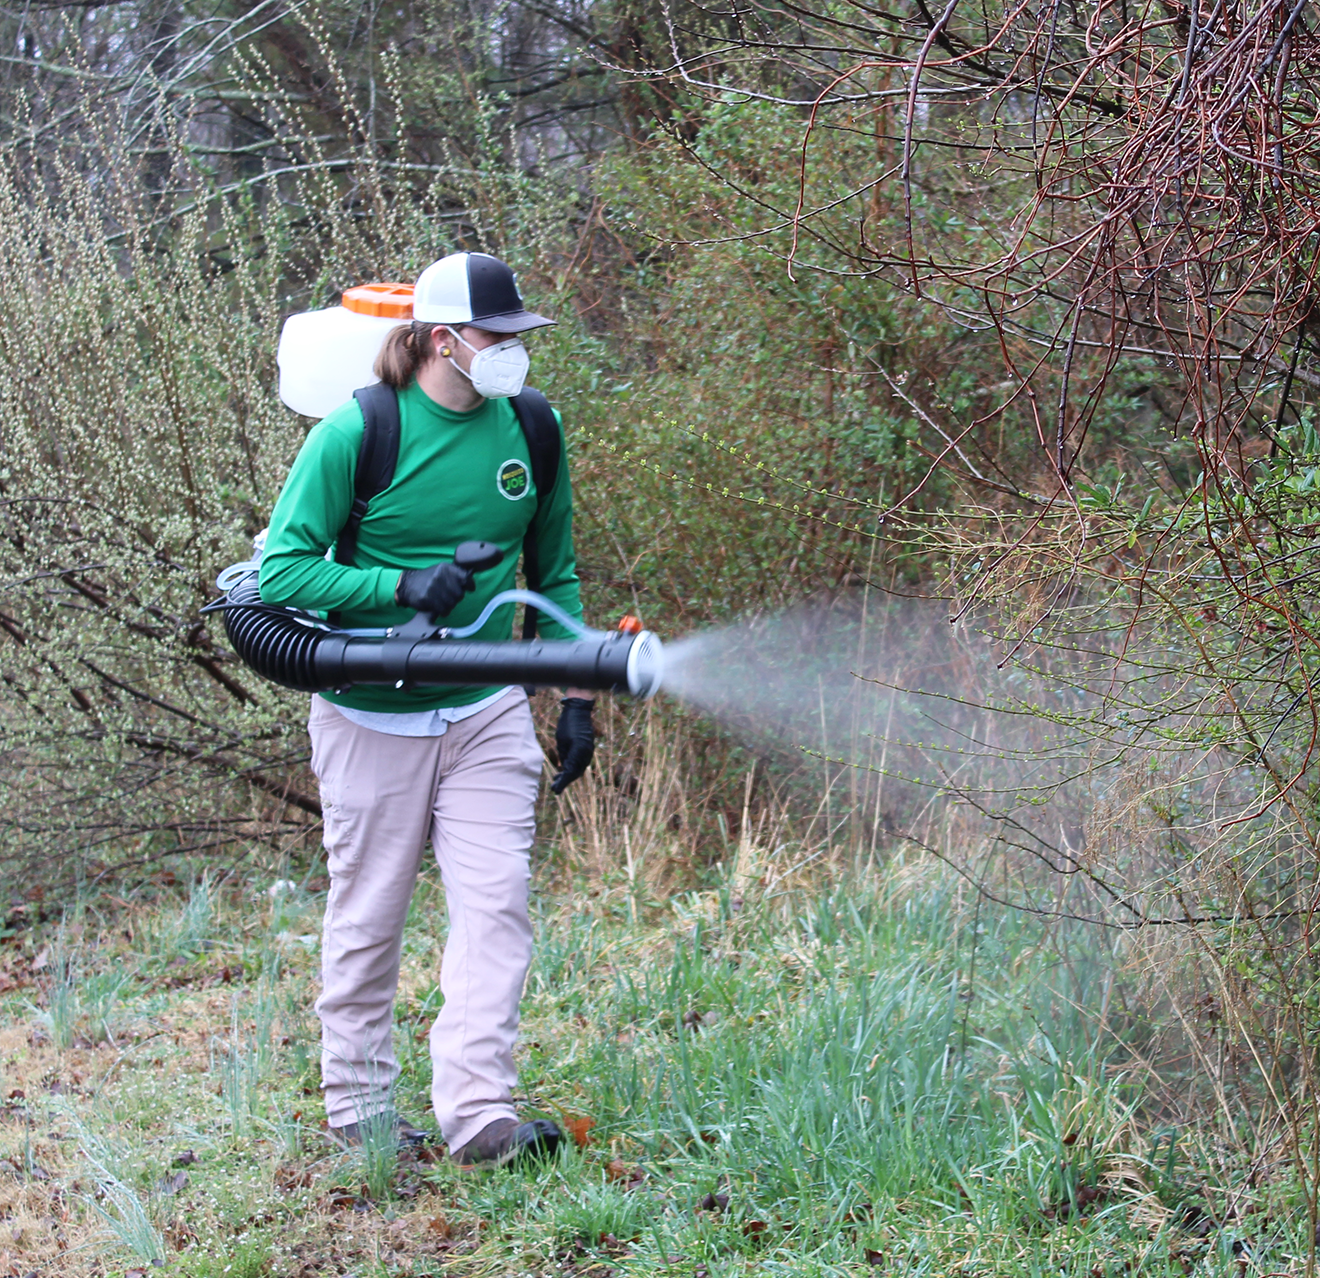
x,y
505,1140
349,1136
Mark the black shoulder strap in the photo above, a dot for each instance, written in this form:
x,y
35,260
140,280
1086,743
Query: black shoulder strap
x,y
545,447
376,460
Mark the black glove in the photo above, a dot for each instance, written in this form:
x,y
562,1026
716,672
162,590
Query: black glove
x,y
435,590
575,739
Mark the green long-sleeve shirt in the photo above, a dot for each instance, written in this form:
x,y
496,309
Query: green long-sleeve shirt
x,y
460,477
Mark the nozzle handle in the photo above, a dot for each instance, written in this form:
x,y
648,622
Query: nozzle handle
x,y
476,556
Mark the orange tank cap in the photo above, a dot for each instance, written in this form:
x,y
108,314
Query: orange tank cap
x,y
630,624
389,301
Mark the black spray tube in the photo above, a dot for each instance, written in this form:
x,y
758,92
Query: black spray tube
x,y
297,654
600,664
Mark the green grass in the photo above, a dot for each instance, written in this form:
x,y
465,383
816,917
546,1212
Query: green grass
x,y
808,1084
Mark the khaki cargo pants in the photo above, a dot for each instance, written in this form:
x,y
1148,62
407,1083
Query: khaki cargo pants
x,y
472,792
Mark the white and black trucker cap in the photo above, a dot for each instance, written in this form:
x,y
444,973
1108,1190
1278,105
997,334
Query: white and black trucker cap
x,y
473,288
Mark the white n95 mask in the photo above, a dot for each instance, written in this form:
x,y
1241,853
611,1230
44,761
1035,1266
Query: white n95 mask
x,y
499,371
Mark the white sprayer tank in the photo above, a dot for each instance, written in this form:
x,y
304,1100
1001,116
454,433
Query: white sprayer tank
x,y
324,356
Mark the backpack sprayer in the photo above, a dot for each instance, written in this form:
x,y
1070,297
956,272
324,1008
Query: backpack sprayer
x,y
302,651
323,355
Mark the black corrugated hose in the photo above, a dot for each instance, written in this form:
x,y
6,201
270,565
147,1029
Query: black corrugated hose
x,y
272,641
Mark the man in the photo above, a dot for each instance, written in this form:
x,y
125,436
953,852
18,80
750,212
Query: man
x,y
458,765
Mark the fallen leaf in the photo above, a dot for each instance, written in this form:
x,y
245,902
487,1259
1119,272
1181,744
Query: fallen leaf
x,y
185,1159
714,1202
172,1184
290,1176
439,1225
409,1189
38,1172
692,1019
754,1227
18,1094
617,1169
1071,1138
579,1128
42,960
135,1273
874,1257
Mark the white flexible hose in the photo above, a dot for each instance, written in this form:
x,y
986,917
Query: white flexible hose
x,y
539,602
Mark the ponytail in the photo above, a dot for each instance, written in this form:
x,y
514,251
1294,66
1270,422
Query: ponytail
x,y
406,349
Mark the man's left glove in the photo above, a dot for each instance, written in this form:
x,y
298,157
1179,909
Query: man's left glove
x,y
575,740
